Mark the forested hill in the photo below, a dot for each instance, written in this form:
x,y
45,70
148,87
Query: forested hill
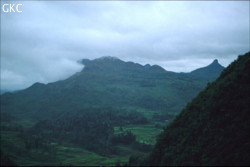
x,y
100,116
209,72
106,82
214,128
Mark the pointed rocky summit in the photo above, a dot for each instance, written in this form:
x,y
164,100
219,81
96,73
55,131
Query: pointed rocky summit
x,y
210,72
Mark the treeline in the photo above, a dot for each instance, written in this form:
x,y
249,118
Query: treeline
x,y
213,129
91,129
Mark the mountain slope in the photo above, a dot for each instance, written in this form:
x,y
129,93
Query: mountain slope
x,y
209,72
105,82
214,129
108,111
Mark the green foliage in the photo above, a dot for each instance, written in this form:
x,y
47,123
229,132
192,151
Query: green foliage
x,y
5,160
123,138
91,129
104,83
70,122
144,133
214,128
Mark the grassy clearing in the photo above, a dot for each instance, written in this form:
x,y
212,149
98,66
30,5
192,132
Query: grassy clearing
x,y
25,123
60,155
144,133
146,112
80,157
77,157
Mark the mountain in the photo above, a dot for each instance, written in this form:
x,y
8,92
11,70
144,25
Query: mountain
x,y
113,65
97,117
209,72
3,91
213,129
106,82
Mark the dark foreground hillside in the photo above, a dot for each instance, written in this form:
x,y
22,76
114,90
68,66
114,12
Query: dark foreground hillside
x,y
214,129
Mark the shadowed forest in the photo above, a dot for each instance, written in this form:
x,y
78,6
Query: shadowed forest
x,y
117,113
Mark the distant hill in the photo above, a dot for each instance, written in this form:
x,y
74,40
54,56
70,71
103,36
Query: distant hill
x,y
214,129
108,64
209,72
107,82
2,92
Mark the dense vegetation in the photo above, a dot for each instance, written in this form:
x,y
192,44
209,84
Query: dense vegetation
x,y
91,129
214,128
70,122
107,82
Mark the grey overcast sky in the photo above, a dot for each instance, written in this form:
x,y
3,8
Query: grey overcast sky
x,y
43,43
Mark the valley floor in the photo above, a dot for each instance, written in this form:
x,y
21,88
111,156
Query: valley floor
x,y
65,154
